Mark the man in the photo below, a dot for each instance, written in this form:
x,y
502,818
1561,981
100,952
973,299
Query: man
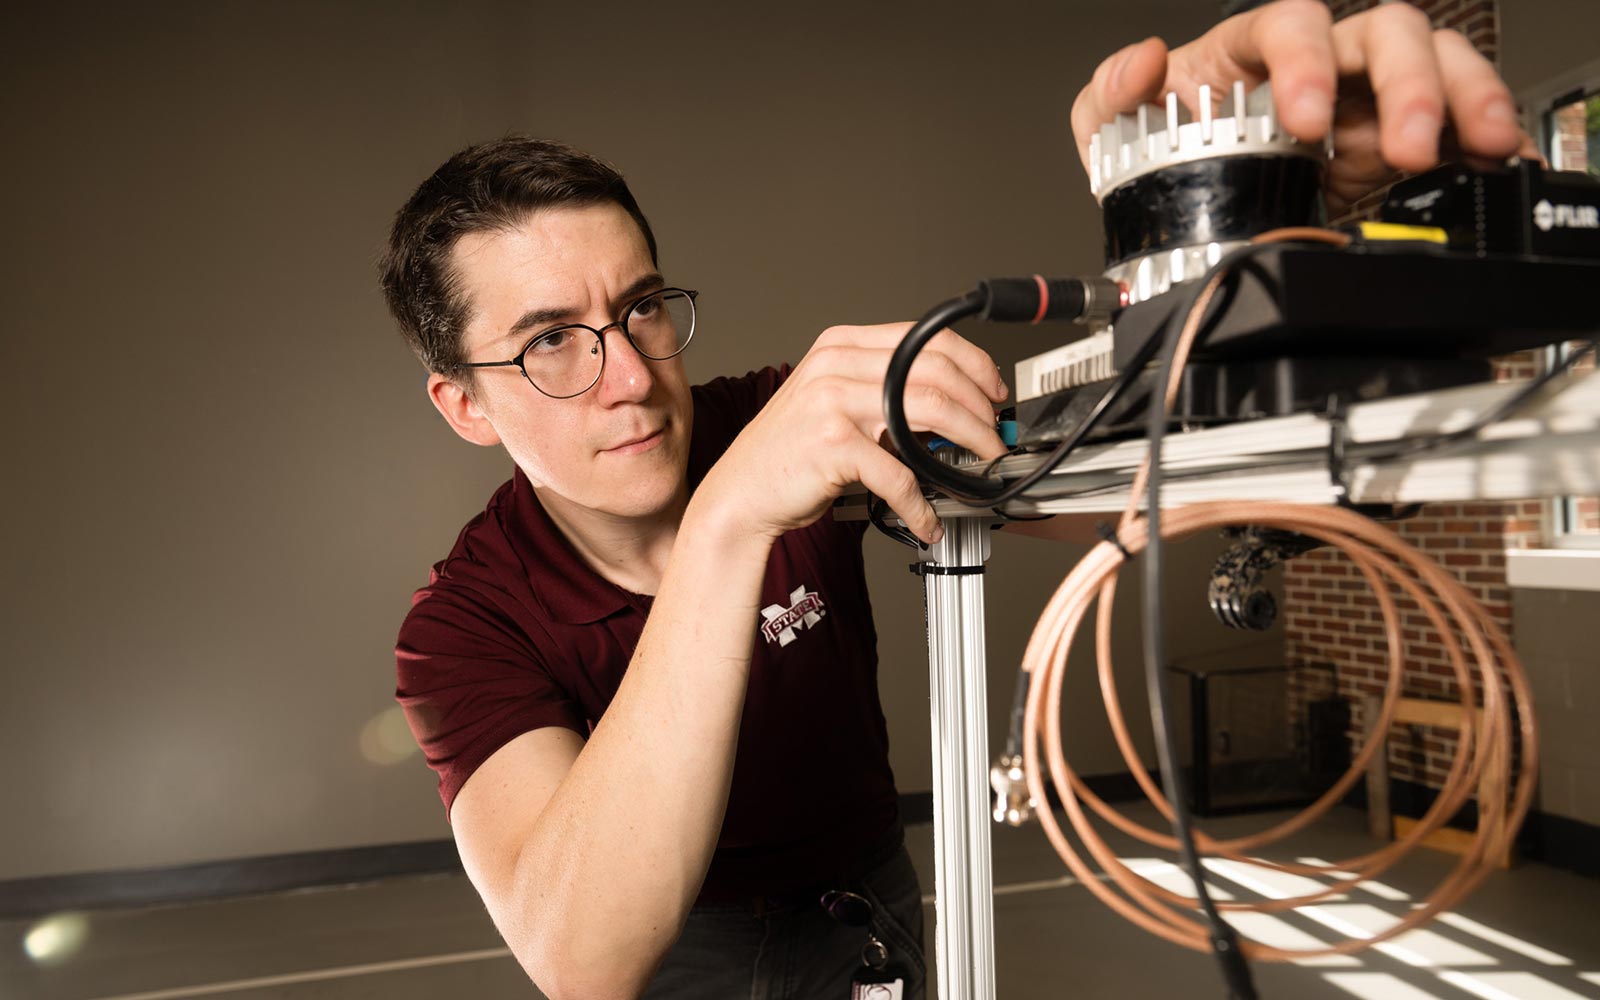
x,y
645,673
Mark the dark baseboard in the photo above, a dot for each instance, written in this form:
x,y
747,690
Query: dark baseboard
x,y
1554,840
1562,842
32,897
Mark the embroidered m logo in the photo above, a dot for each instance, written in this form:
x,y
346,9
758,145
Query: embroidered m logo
x,y
804,611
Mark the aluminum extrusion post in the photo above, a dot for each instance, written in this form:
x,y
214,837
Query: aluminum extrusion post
x,y
963,877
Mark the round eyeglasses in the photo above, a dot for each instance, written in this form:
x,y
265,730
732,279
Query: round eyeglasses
x,y
566,361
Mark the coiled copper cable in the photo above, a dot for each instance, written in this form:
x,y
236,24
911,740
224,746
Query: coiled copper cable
x,y
1384,560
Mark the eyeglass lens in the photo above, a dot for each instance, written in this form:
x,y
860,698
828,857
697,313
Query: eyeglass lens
x,y
567,360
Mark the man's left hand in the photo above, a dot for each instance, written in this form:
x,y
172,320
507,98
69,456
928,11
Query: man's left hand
x,y
1384,81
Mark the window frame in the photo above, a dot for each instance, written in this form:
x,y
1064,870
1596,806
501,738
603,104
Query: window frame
x,y
1540,104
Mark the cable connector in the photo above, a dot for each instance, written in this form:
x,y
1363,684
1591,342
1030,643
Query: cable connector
x,y
1013,805
1037,299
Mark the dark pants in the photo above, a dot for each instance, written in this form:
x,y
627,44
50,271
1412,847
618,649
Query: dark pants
x,y
796,951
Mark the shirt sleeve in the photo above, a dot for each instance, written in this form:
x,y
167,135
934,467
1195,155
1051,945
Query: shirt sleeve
x,y
737,400
470,683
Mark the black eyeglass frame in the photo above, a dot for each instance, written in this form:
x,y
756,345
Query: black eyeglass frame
x,y
600,335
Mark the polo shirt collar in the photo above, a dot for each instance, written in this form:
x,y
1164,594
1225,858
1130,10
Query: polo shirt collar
x,y
568,587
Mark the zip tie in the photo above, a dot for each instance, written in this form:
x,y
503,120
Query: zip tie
x,y
1106,531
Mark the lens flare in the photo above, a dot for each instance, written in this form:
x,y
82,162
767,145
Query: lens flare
x,y
386,738
56,938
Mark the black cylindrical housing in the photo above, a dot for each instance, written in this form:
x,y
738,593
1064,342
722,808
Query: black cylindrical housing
x,y
1213,200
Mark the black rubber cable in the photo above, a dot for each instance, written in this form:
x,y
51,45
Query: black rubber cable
x,y
1224,940
958,484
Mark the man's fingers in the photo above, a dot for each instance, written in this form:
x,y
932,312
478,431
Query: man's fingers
x,y
931,371
1480,104
1529,150
1133,75
972,359
883,474
1393,46
929,409
1290,43
969,358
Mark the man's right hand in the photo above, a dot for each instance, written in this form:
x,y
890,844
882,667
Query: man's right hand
x,y
823,429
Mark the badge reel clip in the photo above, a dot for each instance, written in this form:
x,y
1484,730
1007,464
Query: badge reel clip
x,y
872,981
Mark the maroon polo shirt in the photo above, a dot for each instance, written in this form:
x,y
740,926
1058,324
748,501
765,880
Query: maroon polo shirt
x,y
515,632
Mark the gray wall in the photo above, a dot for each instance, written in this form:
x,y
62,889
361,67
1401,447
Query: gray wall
x,y
1542,39
1554,631
224,477
224,480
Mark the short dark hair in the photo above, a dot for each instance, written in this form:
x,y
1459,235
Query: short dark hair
x,y
490,186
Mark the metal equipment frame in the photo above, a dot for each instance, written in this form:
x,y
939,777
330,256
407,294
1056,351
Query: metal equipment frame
x,y
1550,450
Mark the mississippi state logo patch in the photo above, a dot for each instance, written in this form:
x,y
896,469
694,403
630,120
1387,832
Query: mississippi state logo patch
x,y
805,609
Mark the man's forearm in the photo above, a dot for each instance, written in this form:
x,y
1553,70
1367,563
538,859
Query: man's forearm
x,y
618,855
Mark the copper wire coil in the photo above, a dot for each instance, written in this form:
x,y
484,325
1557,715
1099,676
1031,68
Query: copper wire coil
x,y
1379,554
1382,558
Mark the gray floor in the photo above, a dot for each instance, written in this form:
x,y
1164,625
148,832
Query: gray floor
x,y
1531,932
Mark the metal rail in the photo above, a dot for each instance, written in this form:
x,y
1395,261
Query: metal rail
x,y
952,571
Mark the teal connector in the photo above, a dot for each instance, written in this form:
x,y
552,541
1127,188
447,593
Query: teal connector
x,y
1006,428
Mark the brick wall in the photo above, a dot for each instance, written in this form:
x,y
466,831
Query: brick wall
x,y
1331,617
1570,131
1588,515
